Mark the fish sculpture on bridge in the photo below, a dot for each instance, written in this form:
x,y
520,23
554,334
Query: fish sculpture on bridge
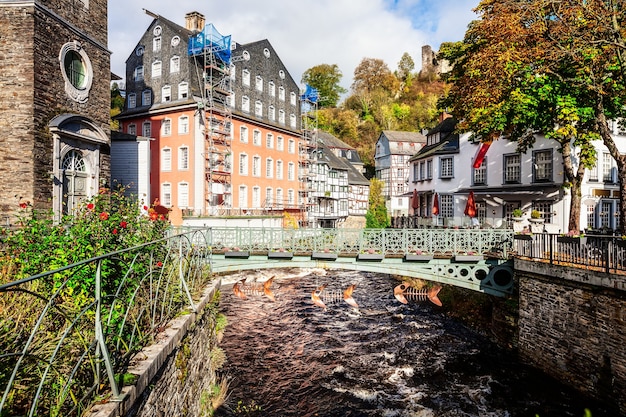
x,y
321,298
405,292
243,289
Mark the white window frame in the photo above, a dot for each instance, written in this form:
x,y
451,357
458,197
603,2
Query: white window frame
x,y
166,159
146,98
258,108
256,137
258,83
446,167
132,129
292,98
245,77
146,129
269,141
174,64
183,125
183,195
166,93
138,73
245,104
291,171
256,166
269,168
132,100
243,134
157,67
156,44
272,88
291,146
243,196
279,169
281,93
166,127
183,158
243,164
166,194
183,90
280,143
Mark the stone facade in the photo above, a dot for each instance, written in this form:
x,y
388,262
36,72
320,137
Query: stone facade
x,y
33,91
574,330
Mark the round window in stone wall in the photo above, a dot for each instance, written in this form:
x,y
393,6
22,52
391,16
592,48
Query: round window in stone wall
x,y
266,52
77,71
175,41
139,51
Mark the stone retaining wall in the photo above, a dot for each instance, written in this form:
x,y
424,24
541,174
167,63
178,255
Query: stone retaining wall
x,y
573,330
175,375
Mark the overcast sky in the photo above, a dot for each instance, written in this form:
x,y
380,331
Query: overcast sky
x,y
306,33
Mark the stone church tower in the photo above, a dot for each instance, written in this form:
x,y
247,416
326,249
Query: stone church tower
x,y
54,103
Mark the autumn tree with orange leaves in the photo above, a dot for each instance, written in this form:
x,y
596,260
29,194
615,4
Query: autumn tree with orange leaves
x,y
544,67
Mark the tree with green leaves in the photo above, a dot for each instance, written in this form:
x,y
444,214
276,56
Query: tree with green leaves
x,y
539,67
376,216
325,78
117,105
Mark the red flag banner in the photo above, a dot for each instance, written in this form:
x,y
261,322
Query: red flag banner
x,y
480,155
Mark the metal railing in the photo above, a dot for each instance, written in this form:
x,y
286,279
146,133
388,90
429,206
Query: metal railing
x,y
351,241
69,334
604,253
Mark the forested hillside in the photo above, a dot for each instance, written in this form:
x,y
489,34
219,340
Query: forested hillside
x,y
379,99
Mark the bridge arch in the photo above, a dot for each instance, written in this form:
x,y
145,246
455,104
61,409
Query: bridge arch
x,y
493,277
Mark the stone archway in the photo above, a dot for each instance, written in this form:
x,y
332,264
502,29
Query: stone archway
x,y
78,144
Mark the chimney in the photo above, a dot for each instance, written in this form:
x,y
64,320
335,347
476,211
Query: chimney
x,y
194,21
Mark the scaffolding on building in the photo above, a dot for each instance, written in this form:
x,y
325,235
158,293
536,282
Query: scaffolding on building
x,y
308,152
211,54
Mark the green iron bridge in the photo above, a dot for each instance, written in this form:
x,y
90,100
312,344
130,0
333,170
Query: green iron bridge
x,y
476,259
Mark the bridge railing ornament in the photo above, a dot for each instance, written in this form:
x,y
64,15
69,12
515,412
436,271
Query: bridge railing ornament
x,y
384,241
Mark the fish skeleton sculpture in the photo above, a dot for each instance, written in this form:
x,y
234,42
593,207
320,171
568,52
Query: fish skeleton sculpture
x,y
321,298
243,289
405,292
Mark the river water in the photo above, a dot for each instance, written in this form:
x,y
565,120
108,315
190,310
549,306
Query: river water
x,y
292,358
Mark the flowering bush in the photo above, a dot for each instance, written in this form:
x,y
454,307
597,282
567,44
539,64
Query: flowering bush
x,y
108,222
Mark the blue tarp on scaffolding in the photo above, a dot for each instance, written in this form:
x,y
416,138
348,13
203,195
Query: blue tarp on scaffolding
x,y
212,39
310,94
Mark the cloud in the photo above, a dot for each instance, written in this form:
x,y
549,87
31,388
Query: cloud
x,y
306,33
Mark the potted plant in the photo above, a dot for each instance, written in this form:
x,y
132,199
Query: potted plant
x,y
417,256
535,216
370,254
524,234
572,237
518,215
325,254
236,253
280,253
470,256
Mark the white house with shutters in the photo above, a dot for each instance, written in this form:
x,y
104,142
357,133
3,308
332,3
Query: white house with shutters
x,y
506,180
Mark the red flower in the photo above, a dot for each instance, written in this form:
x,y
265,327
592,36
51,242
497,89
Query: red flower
x,y
104,215
161,217
154,216
90,206
23,205
145,208
114,231
123,225
159,264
